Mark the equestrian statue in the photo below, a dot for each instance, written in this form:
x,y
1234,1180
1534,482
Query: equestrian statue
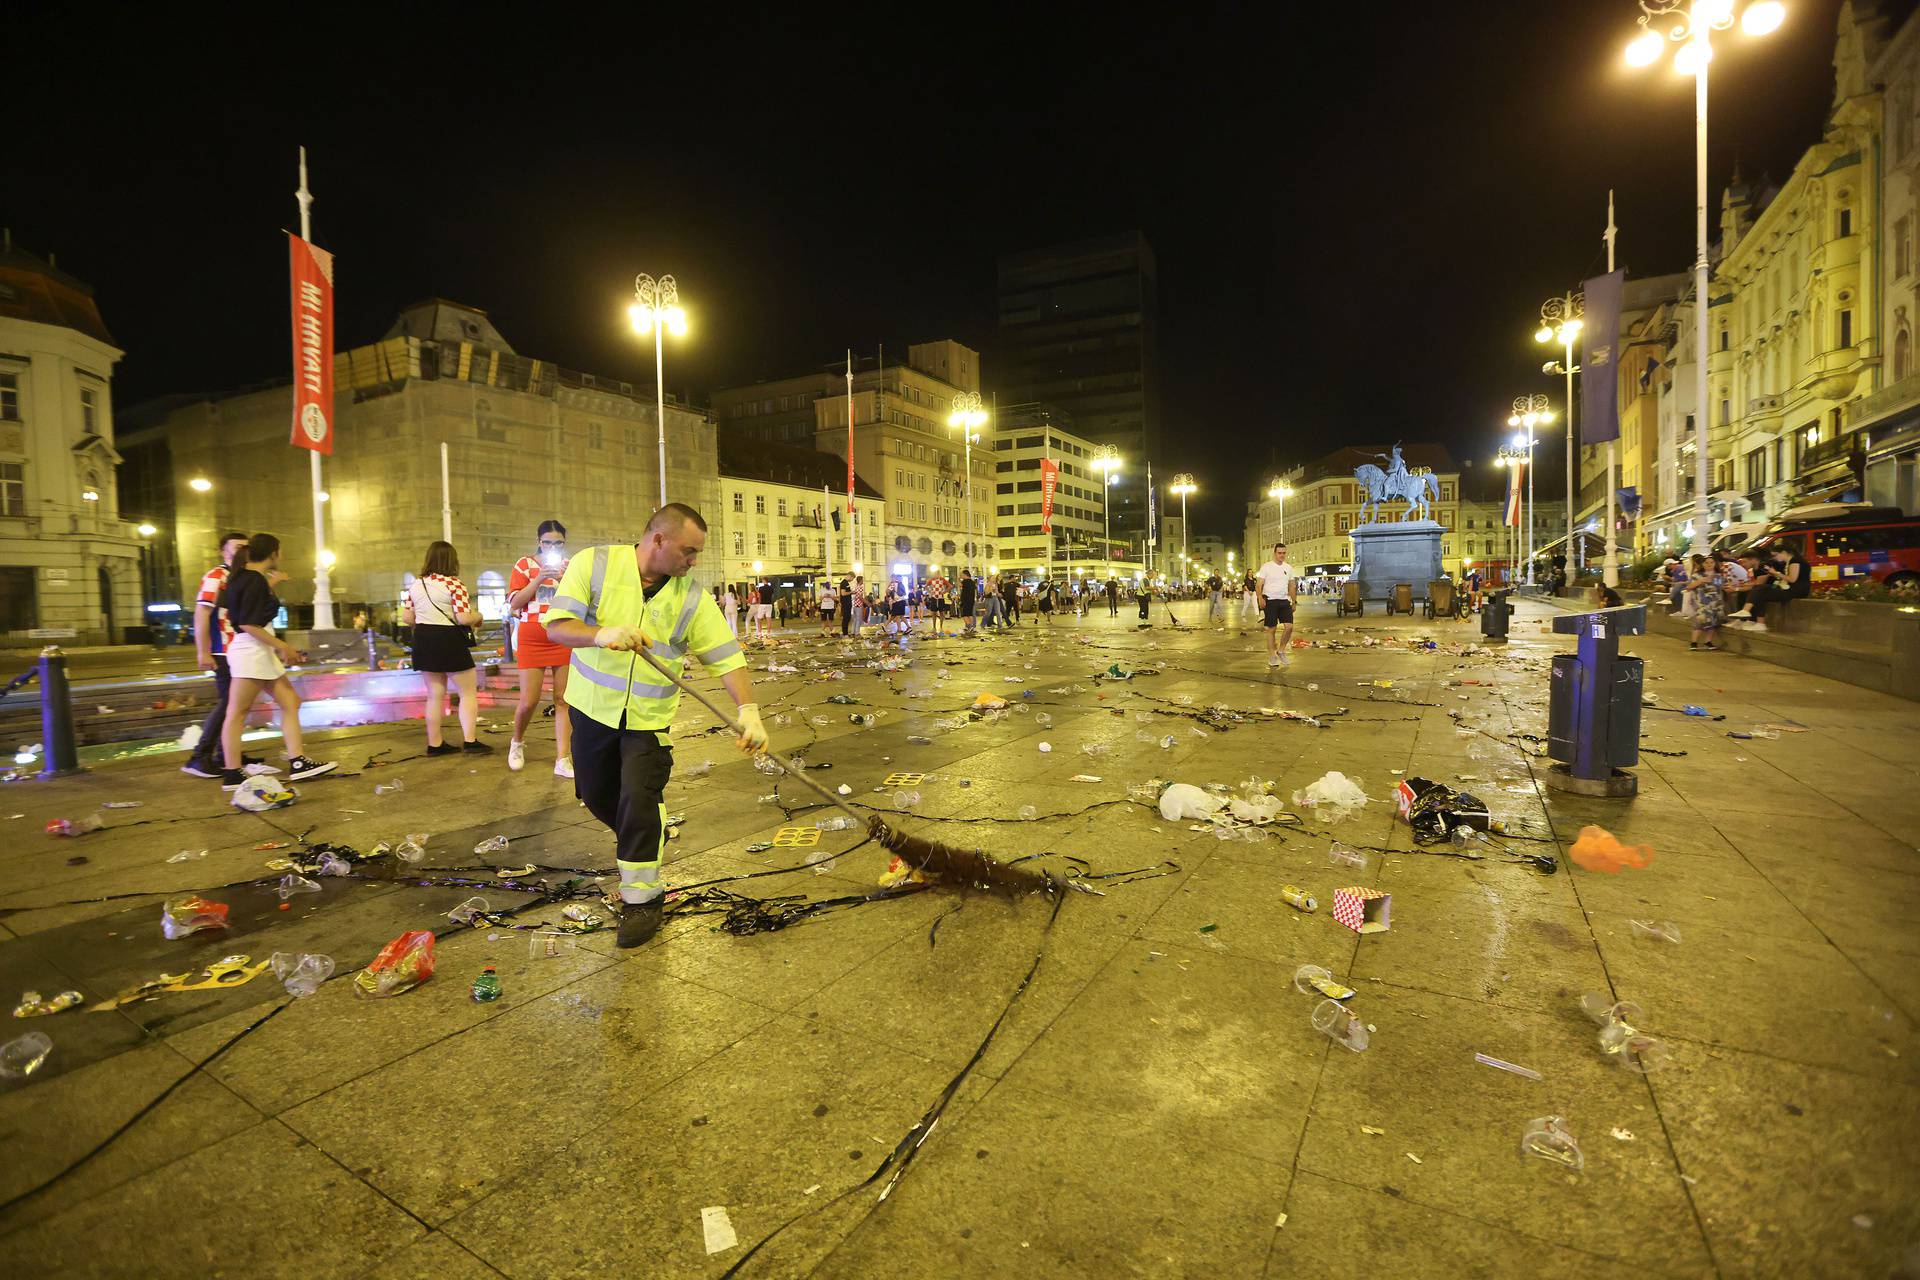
x,y
1418,490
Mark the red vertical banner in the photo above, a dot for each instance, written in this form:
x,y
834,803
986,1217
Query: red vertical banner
x,y
1049,477
312,273
1516,475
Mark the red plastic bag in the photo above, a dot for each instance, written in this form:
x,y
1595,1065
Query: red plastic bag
x,y
1597,849
191,914
404,963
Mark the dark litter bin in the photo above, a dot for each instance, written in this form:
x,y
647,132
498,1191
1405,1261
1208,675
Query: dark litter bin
x,y
1495,613
1593,712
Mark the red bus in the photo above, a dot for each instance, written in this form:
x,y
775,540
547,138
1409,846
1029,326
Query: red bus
x,y
1877,544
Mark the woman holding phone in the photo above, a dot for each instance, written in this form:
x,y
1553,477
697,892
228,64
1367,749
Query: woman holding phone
x,y
529,593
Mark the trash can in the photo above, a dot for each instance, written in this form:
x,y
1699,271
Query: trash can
x,y
1494,615
1593,708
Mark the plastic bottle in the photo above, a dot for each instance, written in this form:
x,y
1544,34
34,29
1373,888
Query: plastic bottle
x,y
840,822
486,987
22,1057
492,844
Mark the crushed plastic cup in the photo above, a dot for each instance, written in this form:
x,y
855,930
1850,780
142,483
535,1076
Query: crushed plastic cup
x,y
1604,1010
767,765
413,848
1028,813
699,770
821,860
1166,743
1547,1139
1655,930
301,972
1146,792
492,844
291,884
1141,735
1340,855
332,864
1311,979
838,822
1341,1025
1635,1050
382,788
188,855
470,911
906,799
1095,749
1042,719
22,1057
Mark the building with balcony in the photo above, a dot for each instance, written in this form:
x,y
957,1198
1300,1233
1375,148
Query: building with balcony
x,y
782,515
526,441
70,561
1024,435
903,446
1317,517
1888,421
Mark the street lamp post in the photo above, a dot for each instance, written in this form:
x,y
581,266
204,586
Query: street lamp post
x,y
656,309
1527,412
1280,491
1691,25
1183,485
968,413
1511,456
1106,460
1561,320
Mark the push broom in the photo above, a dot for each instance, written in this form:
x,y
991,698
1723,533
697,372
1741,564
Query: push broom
x,y
963,867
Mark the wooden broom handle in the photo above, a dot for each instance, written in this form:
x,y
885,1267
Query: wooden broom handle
x,y
733,723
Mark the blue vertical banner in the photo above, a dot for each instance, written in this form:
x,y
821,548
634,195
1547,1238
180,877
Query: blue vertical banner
x,y
1599,371
1153,520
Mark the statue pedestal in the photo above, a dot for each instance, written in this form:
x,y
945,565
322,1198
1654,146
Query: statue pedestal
x,y
1387,554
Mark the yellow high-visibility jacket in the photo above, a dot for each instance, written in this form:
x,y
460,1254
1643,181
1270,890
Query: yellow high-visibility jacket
x,y
602,588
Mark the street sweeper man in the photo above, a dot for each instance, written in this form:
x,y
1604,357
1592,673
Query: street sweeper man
x,y
612,603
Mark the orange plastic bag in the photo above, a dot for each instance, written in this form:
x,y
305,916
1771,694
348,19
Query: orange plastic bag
x,y
1598,850
404,963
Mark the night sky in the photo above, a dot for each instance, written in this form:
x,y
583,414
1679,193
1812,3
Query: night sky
x,y
1357,212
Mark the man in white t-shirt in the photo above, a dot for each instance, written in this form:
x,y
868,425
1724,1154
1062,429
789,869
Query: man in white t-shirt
x,y
1278,586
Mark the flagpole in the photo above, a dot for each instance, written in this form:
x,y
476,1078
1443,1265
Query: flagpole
x,y
322,580
854,512
1610,567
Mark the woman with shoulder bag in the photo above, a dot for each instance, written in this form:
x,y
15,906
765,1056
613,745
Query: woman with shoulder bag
x,y
442,621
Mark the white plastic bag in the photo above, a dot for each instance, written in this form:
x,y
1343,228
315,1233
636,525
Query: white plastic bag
x,y
1334,791
1184,802
262,792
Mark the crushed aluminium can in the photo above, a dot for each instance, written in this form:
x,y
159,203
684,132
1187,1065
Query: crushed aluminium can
x,y
1298,898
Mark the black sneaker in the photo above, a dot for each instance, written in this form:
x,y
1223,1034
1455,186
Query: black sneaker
x,y
299,769
639,921
232,779
201,768
444,749
477,747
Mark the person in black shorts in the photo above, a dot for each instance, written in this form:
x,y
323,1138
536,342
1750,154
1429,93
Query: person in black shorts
x,y
1278,586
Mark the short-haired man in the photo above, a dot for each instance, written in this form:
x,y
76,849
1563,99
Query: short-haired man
x,y
612,602
211,632
1279,587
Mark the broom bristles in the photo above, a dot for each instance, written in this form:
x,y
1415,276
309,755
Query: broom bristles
x,y
963,867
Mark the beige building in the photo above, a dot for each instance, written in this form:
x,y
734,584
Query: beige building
x,y
1317,517
70,553
1024,435
782,515
1888,421
526,440
903,446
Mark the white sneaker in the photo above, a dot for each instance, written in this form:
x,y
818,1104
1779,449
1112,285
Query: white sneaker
x,y
1286,659
563,767
1273,659
516,756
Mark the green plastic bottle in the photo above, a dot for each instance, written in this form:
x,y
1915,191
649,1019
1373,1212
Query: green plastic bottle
x,y
486,987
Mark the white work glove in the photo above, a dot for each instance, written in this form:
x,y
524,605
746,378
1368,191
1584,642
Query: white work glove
x,y
621,638
753,734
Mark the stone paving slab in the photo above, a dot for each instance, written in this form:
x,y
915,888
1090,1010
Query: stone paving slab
x,y
1155,1103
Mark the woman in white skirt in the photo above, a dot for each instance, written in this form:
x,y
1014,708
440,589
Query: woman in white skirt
x,y
257,660
438,611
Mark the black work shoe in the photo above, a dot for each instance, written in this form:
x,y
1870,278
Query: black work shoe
x,y
639,921
232,779
201,768
442,749
476,746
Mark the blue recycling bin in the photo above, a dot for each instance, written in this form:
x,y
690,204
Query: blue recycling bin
x,y
1593,711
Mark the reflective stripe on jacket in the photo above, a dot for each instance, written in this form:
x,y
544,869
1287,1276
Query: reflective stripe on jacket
x,y
602,588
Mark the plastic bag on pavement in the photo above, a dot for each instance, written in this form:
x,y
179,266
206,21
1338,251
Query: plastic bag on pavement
x,y
1597,849
301,972
190,914
1260,809
261,793
1184,802
1435,811
1334,791
404,963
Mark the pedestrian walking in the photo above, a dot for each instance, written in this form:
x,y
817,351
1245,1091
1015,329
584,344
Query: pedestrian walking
x,y
641,597
846,604
530,591
1113,595
730,608
257,661
1249,598
211,634
1010,599
442,619
1279,587
1216,600
968,593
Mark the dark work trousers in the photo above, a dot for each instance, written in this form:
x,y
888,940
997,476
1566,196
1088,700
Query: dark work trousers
x,y
621,776
846,615
1144,602
217,718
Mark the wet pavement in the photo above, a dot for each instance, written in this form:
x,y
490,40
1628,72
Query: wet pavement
x,y
1152,1101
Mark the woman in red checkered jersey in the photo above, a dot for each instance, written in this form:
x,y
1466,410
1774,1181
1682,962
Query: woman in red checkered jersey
x,y
439,612
529,591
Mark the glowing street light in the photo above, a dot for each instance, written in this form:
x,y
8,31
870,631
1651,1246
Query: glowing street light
x,y
146,529
1528,412
1183,485
1106,460
656,310
1561,320
200,484
1691,27
967,417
